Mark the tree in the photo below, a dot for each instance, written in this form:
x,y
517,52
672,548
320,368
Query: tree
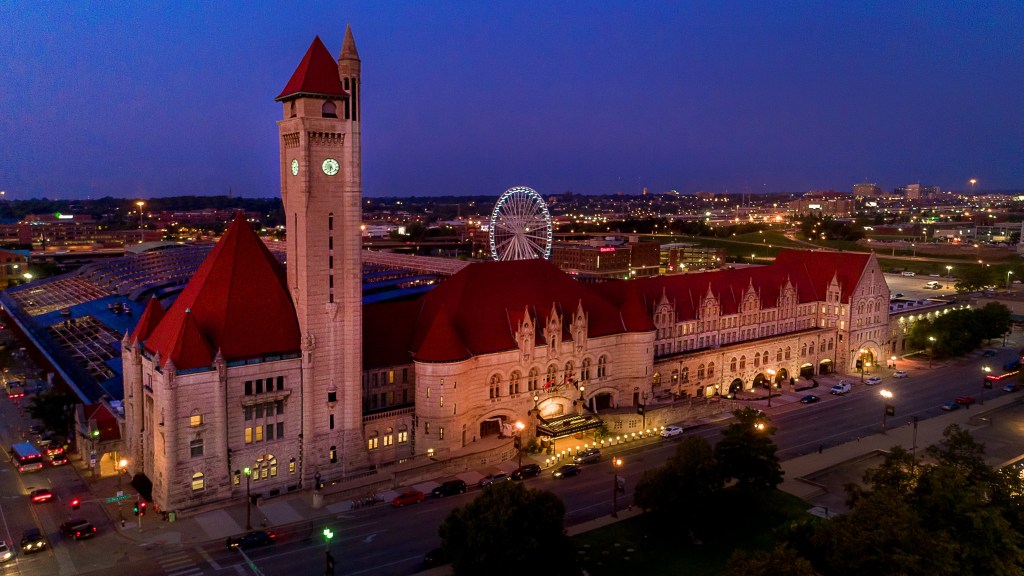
x,y
780,561
974,278
994,320
51,408
685,486
509,530
746,452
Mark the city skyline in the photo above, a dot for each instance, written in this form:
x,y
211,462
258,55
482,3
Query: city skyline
x,y
471,99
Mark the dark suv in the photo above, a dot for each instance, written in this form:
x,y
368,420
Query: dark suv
x,y
449,488
78,528
527,471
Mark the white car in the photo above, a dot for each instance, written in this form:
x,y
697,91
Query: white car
x,y
874,380
6,554
900,374
670,431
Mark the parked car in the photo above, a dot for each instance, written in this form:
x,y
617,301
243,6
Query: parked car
x,y
950,406
77,529
671,431
1011,387
41,495
896,295
1012,365
873,381
6,554
988,353
566,470
588,456
841,388
526,471
809,399
449,488
58,459
900,374
964,400
252,540
493,478
407,497
32,541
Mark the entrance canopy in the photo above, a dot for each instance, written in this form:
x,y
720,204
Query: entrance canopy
x,y
567,425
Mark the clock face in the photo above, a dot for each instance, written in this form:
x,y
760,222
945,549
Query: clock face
x,y
295,167
330,166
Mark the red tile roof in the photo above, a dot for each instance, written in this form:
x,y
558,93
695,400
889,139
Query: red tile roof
x,y
387,330
237,302
822,266
105,421
441,342
485,301
150,318
317,75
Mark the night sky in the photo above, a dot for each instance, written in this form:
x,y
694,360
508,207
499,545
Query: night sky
x,y
153,99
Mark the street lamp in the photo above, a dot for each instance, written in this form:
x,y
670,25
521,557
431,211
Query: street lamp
x,y
973,181
893,362
248,500
984,384
949,276
519,441
931,350
616,464
887,408
771,379
140,204
1008,274
861,364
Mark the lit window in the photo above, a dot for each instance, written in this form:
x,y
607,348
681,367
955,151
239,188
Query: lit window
x,y
371,443
248,435
403,436
291,466
198,482
259,434
334,454
195,420
440,432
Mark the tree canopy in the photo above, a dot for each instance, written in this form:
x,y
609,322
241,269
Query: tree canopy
x,y
957,332
509,530
747,454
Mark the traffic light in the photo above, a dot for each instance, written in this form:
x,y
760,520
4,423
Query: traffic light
x,y
135,508
75,503
142,507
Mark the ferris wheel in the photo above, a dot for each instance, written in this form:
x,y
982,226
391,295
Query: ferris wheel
x,y
520,226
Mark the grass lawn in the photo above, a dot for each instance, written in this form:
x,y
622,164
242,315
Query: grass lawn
x,y
655,544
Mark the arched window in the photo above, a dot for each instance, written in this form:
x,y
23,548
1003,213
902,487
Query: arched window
x,y
743,362
585,370
532,379
602,367
513,383
778,355
373,441
829,343
711,369
329,110
810,349
389,436
495,389
334,454
266,467
732,364
700,372
686,374
570,374
757,360
764,358
198,482
803,349
657,379
787,352
675,376
552,370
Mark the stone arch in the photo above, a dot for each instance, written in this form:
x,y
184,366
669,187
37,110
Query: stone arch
x,y
736,386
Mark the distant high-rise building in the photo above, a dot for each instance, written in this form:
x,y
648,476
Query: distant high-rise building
x,y
918,192
866,190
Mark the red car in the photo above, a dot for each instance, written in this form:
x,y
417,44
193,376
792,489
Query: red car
x,y
407,497
41,495
964,400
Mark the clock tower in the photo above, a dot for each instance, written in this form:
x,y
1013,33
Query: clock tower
x,y
321,186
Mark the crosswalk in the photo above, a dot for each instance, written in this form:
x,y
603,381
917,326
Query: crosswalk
x,y
178,563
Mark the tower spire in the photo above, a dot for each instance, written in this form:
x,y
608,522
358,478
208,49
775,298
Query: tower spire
x,y
348,48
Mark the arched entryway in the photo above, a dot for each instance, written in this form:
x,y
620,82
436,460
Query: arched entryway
x,y
736,386
865,359
807,371
491,426
782,376
602,401
826,367
760,381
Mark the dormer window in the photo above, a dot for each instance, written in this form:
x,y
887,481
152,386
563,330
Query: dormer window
x,y
329,110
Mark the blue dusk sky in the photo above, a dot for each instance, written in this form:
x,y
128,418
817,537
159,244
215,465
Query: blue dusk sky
x,y
163,98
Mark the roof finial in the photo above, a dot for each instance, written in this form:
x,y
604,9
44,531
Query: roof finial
x,y
348,48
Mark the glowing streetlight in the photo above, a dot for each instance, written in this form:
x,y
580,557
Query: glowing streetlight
x,y
887,409
140,204
931,350
771,382
949,276
984,384
616,485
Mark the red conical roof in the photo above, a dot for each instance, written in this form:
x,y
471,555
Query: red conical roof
x,y
152,316
317,75
238,300
189,348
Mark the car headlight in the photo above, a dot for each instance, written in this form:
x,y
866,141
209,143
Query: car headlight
x,y
8,554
